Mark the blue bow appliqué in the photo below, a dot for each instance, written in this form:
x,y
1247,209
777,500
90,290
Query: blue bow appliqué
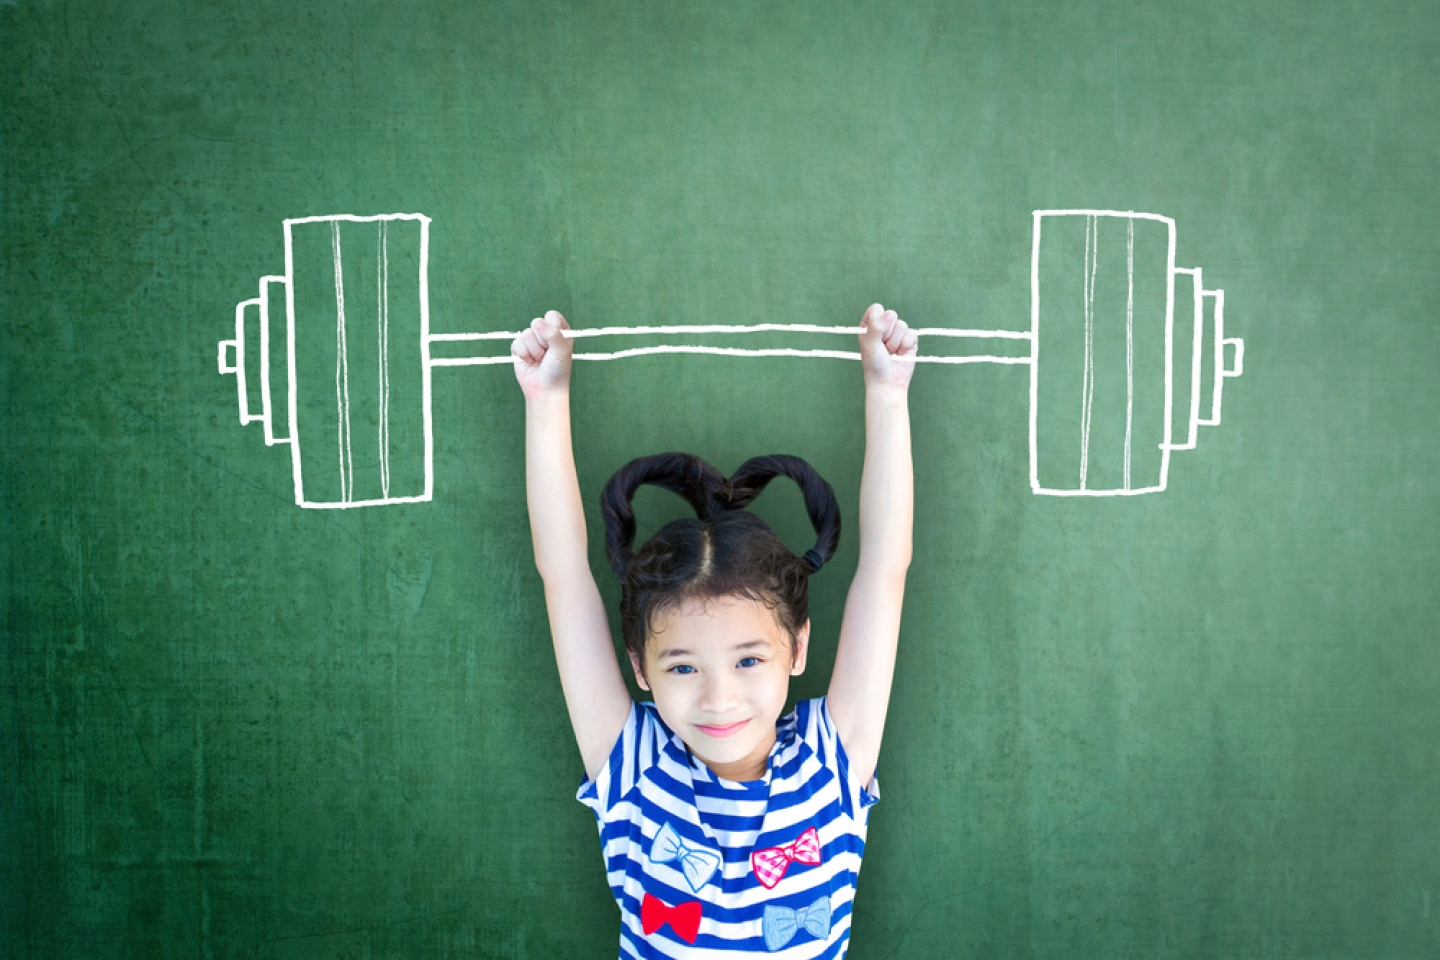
x,y
697,863
780,923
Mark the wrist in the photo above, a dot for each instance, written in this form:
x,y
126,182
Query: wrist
x,y
551,399
887,393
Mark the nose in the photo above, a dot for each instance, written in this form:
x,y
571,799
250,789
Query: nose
x,y
719,694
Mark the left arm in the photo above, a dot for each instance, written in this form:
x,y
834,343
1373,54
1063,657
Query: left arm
x,y
859,694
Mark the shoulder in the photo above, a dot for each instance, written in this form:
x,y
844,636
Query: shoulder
x,y
804,746
815,727
813,723
644,739
646,750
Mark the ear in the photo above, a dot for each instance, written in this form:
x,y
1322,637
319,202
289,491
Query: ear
x,y
639,671
802,649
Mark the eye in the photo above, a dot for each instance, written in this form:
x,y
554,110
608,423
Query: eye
x,y
749,662
681,668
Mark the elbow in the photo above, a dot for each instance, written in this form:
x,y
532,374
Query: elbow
x,y
902,562
897,577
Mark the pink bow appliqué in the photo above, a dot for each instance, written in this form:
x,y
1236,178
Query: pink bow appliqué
x,y
770,864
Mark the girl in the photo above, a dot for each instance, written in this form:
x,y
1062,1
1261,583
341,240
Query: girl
x,y
725,827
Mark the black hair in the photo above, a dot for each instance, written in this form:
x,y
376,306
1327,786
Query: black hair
x,y
725,551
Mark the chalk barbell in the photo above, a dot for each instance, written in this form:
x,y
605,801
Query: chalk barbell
x,y
1134,347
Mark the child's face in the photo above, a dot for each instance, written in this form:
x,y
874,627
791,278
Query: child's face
x,y
720,672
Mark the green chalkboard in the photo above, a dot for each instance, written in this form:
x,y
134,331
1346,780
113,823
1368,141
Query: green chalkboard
x,y
1169,673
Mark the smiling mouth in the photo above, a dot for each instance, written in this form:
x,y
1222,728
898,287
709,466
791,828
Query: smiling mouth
x,y
721,731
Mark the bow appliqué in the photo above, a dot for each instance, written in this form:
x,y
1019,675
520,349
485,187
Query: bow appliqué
x,y
780,923
698,863
771,863
684,918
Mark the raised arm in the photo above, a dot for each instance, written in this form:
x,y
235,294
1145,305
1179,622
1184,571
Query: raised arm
x,y
859,693
595,691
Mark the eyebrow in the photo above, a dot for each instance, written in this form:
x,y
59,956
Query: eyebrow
x,y
677,652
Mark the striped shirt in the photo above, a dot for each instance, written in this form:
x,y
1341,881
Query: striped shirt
x,y
703,867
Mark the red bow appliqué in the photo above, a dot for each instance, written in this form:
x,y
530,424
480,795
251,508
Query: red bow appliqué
x,y
770,864
684,918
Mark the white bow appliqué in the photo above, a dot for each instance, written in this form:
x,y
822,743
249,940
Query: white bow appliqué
x,y
697,863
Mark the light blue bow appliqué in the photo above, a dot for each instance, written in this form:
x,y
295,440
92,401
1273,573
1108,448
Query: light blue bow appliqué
x,y
698,863
780,923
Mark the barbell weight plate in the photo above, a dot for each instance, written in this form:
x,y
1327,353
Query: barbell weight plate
x,y
1100,307
357,322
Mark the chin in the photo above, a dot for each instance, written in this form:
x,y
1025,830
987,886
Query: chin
x,y
733,748
726,748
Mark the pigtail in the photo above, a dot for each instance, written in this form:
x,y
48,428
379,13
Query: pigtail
x,y
754,474
698,483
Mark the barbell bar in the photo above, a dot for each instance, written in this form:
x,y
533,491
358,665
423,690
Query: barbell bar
x,y
1134,355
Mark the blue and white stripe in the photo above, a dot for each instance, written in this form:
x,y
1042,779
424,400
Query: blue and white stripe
x,y
652,780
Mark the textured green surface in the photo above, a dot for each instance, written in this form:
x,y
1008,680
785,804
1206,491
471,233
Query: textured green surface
x,y
1195,724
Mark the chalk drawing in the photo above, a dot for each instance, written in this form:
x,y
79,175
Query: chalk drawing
x,y
1088,446
234,359
696,329
1060,310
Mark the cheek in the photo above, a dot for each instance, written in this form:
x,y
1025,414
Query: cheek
x,y
777,681
671,688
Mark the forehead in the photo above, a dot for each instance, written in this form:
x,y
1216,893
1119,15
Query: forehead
x,y
720,622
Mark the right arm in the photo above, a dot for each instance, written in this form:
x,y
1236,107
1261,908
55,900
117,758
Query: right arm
x,y
590,676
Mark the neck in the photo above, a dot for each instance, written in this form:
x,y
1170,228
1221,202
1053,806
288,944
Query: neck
x,y
750,767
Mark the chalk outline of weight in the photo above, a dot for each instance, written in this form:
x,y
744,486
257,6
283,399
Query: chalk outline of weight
x,y
237,365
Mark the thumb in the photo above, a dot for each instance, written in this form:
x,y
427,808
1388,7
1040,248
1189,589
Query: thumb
x,y
874,322
549,329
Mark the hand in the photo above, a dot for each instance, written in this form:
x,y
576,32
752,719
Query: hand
x,y
887,349
542,356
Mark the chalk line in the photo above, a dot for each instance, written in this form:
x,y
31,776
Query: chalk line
x,y
342,374
721,352
1129,343
684,329
382,294
1087,383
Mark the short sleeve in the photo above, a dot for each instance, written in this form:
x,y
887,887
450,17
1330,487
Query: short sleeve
x,y
825,739
636,750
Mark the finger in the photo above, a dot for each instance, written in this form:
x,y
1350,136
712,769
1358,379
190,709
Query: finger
x,y
542,330
551,329
519,347
910,344
533,348
895,334
871,322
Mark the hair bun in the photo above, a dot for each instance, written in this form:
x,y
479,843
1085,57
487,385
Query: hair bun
x,y
755,474
701,486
